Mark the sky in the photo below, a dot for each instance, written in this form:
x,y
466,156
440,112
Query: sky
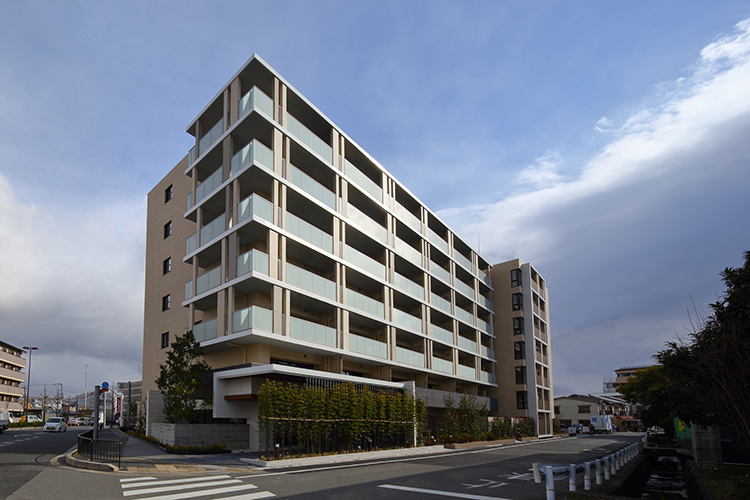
x,y
607,143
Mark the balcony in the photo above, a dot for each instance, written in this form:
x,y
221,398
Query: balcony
x,y
465,289
462,260
205,330
485,302
311,282
408,218
487,352
440,272
365,303
365,262
409,357
254,151
442,365
312,187
407,321
466,344
207,281
364,345
207,187
313,332
255,99
488,377
484,326
252,261
368,226
467,371
255,205
437,241
308,138
252,317
440,303
541,358
312,234
209,138
465,316
213,229
412,255
442,334
363,182
408,286
484,277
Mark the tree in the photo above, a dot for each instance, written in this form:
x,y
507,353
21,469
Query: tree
x,y
181,381
651,389
57,399
45,400
709,372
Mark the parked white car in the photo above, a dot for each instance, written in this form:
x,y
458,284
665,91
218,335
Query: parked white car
x,y
56,424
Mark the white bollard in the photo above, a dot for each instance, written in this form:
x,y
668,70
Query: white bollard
x,y
572,480
587,476
617,460
606,469
612,466
550,482
598,471
537,472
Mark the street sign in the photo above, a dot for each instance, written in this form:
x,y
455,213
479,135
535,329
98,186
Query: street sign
x,y
105,385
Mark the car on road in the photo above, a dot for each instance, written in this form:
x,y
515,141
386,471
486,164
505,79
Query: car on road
x,y
4,420
56,424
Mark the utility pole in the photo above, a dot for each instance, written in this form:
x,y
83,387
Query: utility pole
x,y
85,387
96,412
28,384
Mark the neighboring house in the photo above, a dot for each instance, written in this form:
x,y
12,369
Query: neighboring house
x,y
12,377
577,409
292,254
622,374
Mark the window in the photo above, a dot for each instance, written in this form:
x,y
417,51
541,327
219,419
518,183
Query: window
x,y
519,350
165,303
557,410
520,375
516,297
518,326
164,340
168,229
168,194
584,409
522,400
167,265
515,277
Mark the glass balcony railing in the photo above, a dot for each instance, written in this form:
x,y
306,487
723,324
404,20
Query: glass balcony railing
x,y
307,137
362,181
467,371
407,217
442,334
205,330
365,262
484,326
369,226
189,290
192,243
462,260
467,344
487,303
313,332
312,234
191,156
254,151
487,352
190,201
312,187
440,272
371,347
211,137
441,303
213,229
252,317
207,281
206,187
465,289
255,205
465,316
484,277
442,365
311,282
409,357
488,377
256,98
408,286
252,261
407,321
413,255
437,241
365,303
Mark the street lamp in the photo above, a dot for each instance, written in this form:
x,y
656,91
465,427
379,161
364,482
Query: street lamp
x,y
28,383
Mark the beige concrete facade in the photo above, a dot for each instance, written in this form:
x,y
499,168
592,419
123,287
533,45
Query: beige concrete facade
x,y
291,246
12,376
524,367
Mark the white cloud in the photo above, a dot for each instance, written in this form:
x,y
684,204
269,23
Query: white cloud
x,y
543,173
603,125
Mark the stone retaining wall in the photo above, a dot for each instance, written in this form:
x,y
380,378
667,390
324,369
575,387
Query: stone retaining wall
x,y
232,436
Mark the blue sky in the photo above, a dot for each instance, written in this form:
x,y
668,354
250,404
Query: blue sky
x,y
605,142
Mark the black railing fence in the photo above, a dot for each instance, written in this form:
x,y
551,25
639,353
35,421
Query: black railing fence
x,y
99,450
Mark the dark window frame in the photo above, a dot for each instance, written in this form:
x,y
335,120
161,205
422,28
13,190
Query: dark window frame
x,y
518,326
168,193
517,300
522,400
165,340
519,350
167,265
520,375
165,302
516,278
167,229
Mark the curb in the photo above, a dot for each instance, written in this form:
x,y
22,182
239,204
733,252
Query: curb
x,y
86,464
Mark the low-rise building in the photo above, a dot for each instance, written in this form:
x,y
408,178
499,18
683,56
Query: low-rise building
x,y
12,365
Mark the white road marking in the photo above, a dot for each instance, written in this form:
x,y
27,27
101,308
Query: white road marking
x,y
176,481
178,487
439,493
136,479
200,493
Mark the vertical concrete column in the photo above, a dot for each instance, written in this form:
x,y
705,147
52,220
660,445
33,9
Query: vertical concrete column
x,y
235,89
221,310
345,329
281,109
230,310
280,153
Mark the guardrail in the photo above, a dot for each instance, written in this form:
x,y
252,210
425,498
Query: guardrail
x,y
605,467
99,450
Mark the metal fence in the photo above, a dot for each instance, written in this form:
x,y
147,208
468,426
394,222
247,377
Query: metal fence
x,y
99,450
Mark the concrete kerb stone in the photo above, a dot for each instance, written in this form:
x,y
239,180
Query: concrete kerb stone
x,y
87,464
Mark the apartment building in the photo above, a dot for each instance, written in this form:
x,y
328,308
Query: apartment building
x,y
622,374
12,365
292,254
521,326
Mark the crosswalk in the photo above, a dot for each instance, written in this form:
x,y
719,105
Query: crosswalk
x,y
215,487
